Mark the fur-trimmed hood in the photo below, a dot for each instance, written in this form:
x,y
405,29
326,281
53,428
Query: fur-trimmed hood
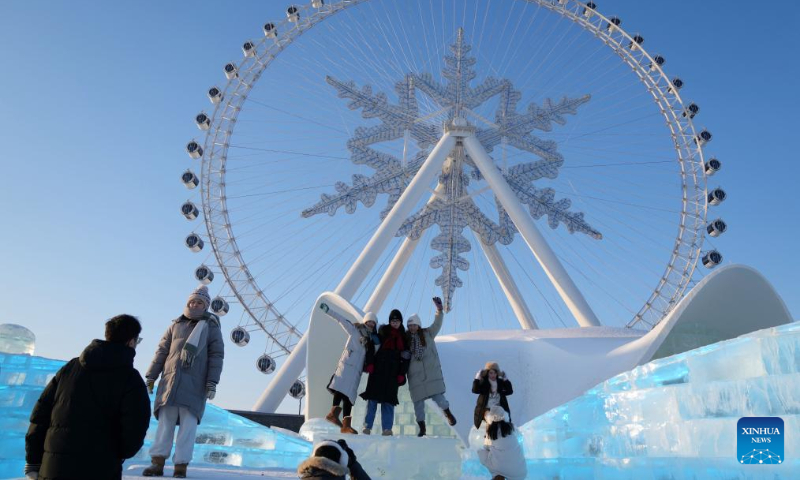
x,y
321,467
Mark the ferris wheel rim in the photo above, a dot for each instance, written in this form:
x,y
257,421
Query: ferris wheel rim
x,y
243,284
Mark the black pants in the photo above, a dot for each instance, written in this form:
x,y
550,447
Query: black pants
x,y
347,407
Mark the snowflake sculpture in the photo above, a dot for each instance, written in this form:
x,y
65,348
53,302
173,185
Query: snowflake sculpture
x,y
453,209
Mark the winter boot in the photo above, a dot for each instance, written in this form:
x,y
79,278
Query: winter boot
x,y
387,433
346,428
450,418
156,468
366,430
333,416
421,429
180,470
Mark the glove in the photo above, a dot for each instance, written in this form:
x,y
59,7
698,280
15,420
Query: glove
x,y
31,471
401,379
211,390
405,355
369,368
351,455
150,384
501,375
479,375
438,303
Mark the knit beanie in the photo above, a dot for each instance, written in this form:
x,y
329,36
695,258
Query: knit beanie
x,y
395,314
413,320
370,317
200,293
332,451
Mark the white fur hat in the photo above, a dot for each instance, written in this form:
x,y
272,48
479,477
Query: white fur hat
x,y
343,457
496,414
370,317
413,320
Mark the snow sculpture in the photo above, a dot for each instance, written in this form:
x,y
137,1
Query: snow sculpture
x,y
16,339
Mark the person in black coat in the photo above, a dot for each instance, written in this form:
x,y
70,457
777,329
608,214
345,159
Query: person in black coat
x,y
93,414
492,388
391,366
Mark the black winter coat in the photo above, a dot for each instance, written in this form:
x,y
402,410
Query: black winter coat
x,y
483,388
382,383
92,416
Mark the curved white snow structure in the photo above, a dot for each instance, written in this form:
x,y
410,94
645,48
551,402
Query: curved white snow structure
x,y
551,367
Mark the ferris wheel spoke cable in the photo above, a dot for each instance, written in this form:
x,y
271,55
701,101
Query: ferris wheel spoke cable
x,y
308,273
586,277
536,287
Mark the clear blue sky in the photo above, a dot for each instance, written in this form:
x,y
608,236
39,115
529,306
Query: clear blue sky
x,y
98,102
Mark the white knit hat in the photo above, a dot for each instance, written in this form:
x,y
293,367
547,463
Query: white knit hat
x,y
344,458
200,293
413,320
370,317
496,414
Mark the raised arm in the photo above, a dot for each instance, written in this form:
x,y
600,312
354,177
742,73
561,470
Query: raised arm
x,y
346,324
437,320
480,385
160,357
504,386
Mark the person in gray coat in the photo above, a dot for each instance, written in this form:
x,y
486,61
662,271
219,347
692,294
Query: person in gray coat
x,y
357,357
189,361
425,378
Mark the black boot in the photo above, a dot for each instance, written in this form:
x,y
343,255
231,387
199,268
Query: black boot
x,y
450,418
421,429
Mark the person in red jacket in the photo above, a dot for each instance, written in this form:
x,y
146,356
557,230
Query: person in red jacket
x,y
391,365
94,414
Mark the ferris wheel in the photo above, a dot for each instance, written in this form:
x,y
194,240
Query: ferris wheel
x,y
530,161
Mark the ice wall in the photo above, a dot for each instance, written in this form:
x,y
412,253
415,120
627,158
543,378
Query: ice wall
x,y
223,439
676,417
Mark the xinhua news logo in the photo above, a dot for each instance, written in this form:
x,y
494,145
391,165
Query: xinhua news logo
x,y
759,440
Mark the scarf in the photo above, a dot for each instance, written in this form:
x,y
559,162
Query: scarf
x,y
393,341
192,347
417,348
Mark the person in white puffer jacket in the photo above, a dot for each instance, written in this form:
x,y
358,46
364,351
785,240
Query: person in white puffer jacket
x,y
502,453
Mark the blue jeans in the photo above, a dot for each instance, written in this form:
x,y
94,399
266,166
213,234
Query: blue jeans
x,y
387,414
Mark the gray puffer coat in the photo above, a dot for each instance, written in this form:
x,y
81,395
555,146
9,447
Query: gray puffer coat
x,y
425,378
358,351
186,387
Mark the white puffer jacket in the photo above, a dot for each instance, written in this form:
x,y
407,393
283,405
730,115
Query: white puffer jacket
x,y
505,457
351,364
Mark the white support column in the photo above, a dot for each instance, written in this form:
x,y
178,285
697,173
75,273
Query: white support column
x,y
389,278
399,262
399,213
509,286
296,362
536,242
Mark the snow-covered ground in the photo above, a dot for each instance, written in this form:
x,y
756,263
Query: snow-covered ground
x,y
134,472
